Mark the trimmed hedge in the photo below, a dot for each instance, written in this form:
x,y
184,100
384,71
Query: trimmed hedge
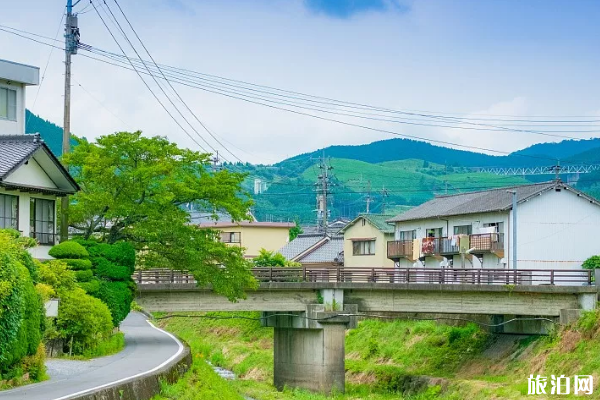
x,y
120,253
111,271
92,287
118,297
78,264
84,276
68,249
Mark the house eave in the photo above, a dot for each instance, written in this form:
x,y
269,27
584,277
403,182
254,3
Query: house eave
x,y
35,189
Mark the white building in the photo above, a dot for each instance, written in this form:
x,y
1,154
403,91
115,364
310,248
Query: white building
x,y
31,177
557,228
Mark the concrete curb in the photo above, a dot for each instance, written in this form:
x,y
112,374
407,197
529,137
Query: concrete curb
x,y
143,387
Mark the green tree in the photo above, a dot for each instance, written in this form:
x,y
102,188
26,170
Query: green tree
x,y
592,263
296,230
133,189
267,258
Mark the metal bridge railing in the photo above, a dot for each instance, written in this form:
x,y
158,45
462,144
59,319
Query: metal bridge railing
x,y
578,277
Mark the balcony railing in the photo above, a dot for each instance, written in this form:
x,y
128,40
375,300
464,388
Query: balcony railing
x,y
400,249
439,246
487,242
44,238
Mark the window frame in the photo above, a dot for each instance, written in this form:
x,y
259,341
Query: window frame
x,y
412,233
359,247
3,198
9,116
469,229
231,237
45,236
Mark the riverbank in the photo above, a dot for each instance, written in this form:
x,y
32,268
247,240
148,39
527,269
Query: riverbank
x,y
388,360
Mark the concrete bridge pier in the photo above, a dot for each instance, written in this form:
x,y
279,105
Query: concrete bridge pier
x,y
309,349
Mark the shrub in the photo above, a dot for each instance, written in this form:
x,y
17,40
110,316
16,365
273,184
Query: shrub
x,y
78,264
34,364
92,287
45,291
117,296
592,263
84,319
84,276
55,273
120,253
68,249
111,271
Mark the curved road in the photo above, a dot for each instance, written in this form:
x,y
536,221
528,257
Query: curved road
x,y
147,349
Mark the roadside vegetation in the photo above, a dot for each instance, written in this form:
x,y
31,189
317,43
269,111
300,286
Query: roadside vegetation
x,y
417,360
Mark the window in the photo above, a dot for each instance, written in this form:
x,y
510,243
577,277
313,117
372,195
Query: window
x,y
231,237
42,220
498,226
408,235
9,211
363,248
434,233
8,104
463,230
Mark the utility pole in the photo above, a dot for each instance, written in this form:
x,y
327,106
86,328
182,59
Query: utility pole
x,y
556,168
323,192
384,195
71,42
514,228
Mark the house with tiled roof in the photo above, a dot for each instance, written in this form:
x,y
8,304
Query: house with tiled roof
x,y
315,250
556,228
365,241
31,177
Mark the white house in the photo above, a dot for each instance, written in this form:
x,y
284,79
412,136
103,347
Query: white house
x,y
557,228
31,177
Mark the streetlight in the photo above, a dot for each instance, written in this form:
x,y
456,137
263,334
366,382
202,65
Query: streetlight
x,y
514,227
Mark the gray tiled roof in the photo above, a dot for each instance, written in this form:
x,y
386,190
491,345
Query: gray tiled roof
x,y
475,202
15,150
299,245
327,252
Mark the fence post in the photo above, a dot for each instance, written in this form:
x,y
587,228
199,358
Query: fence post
x,y
303,273
552,277
156,277
338,274
172,276
479,277
407,275
271,274
139,274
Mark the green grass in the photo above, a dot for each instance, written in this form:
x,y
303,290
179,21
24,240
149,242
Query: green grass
x,y
107,347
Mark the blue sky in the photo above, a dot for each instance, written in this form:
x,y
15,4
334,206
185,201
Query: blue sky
x,y
463,56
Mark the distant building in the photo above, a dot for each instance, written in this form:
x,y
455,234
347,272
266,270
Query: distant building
x,y
253,236
557,228
315,250
31,177
365,241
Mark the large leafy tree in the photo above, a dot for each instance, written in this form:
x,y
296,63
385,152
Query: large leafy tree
x,y
134,189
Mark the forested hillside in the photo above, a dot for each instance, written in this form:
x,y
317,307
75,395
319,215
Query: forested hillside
x,y
51,133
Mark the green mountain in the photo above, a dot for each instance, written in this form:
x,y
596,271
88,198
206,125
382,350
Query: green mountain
x,y
50,132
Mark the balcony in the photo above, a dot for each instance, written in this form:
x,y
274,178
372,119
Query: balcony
x,y
47,239
439,246
397,249
488,243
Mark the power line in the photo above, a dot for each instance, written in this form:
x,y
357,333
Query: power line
x,y
165,78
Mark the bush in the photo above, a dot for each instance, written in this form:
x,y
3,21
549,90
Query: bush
x,y
120,253
592,263
117,296
56,274
68,249
78,264
110,270
84,319
92,287
34,364
84,276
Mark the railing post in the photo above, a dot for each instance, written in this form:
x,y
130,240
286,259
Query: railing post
x,y
139,279
407,275
479,277
172,276
552,277
156,277
338,274
303,273
271,274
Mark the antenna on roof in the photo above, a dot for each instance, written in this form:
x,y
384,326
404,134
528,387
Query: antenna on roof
x,y
556,169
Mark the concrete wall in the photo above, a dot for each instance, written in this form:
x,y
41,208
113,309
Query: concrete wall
x,y
8,127
254,238
379,259
557,230
428,298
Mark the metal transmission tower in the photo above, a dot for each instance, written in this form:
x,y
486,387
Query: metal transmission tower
x,y
71,43
541,170
384,194
323,192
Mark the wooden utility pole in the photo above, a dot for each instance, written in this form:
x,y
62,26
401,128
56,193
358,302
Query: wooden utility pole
x,y
71,42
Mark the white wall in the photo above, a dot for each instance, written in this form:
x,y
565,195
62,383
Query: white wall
x,y
31,174
557,230
14,127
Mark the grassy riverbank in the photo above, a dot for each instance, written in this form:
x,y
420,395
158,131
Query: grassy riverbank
x,y
388,360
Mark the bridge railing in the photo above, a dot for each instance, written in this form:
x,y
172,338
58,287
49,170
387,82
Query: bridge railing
x,y
390,275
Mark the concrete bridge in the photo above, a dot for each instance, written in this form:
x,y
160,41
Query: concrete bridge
x,y
310,308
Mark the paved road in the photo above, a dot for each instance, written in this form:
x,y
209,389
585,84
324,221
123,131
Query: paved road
x,y
147,349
